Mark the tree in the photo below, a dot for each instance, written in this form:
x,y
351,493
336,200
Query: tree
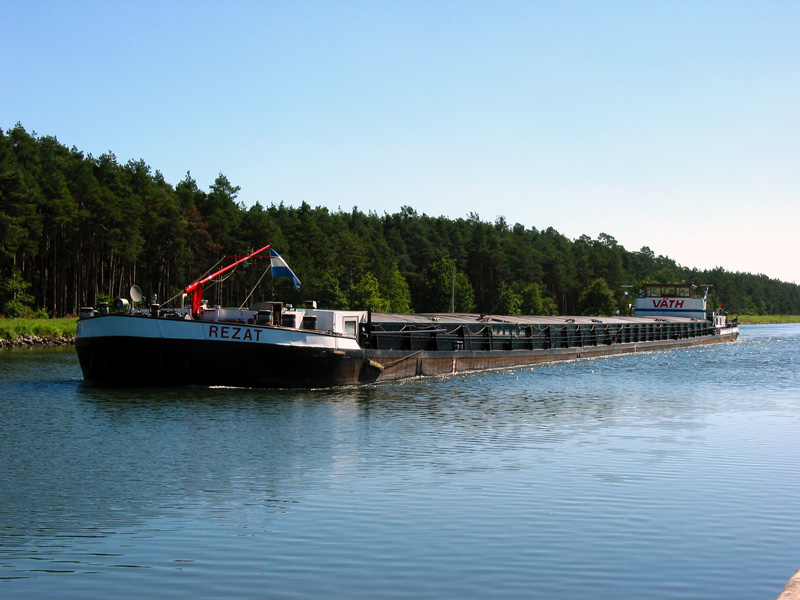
x,y
398,294
327,291
597,299
445,286
665,275
222,213
15,298
366,295
508,301
533,303
20,226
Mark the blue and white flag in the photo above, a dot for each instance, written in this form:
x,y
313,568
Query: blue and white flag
x,y
281,269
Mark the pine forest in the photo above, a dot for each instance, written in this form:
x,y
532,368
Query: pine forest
x,y
76,230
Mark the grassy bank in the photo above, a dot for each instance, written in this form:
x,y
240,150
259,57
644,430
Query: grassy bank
x,y
768,319
46,329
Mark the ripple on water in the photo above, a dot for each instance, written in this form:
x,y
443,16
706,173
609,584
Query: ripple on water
x,y
671,472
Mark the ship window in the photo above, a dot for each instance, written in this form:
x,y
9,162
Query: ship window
x,y
350,327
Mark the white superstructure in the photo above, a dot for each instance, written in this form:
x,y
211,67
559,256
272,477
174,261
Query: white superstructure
x,y
670,300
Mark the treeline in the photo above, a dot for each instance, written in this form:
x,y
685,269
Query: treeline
x,y
77,229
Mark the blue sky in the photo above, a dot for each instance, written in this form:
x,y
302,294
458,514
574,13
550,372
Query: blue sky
x,y
673,125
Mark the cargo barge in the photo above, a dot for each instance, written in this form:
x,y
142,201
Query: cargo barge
x,y
273,345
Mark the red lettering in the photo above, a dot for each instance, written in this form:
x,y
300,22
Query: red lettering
x,y
224,332
236,332
212,331
668,303
248,335
258,335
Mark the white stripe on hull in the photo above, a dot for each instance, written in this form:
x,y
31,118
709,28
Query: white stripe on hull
x,y
184,330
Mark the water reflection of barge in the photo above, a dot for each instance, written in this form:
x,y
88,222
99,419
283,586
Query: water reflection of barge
x,y
273,345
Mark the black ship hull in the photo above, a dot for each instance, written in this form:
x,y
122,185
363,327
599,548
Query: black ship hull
x,y
134,351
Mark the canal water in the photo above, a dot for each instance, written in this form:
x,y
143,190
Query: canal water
x,y
673,474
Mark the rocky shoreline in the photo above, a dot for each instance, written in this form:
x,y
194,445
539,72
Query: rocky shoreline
x,y
30,341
